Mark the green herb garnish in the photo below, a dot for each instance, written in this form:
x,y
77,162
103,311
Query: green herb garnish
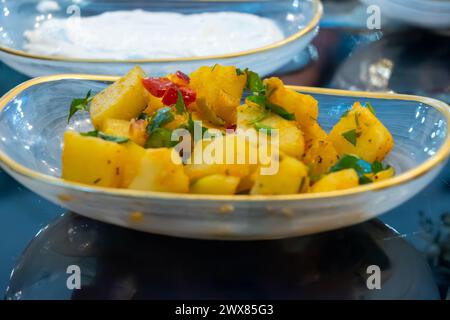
x,y
104,136
255,84
160,138
350,136
371,109
263,128
280,111
377,166
262,101
364,180
79,104
240,72
179,105
160,118
89,133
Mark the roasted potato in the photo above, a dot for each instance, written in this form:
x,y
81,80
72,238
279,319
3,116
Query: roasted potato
x,y
320,154
290,137
91,160
291,177
221,88
339,180
125,99
160,170
359,132
305,107
239,165
215,184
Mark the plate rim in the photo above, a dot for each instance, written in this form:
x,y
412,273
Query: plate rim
x,y
439,157
312,24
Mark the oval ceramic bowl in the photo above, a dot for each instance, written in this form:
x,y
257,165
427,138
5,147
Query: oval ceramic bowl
x,y
33,118
298,20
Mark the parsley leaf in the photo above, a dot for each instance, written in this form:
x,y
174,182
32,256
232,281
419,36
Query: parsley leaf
x,y
240,72
179,105
89,133
280,111
371,109
104,136
263,128
161,138
255,84
160,118
377,166
350,136
80,104
262,101
107,137
364,180
348,161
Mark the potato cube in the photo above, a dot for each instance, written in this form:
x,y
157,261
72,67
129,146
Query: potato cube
x,y
124,99
291,178
215,184
92,160
320,153
304,106
222,88
203,161
362,134
116,127
339,180
160,170
290,137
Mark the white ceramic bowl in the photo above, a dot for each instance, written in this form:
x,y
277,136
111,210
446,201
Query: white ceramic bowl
x,y
298,20
33,117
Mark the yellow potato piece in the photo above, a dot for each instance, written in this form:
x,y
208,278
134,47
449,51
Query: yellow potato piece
x,y
339,180
373,140
216,184
304,106
124,99
382,175
290,137
116,127
160,170
92,160
131,163
154,104
238,164
222,89
291,178
320,153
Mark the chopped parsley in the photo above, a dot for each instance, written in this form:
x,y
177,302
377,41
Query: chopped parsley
x,y
160,118
79,104
104,136
371,109
350,136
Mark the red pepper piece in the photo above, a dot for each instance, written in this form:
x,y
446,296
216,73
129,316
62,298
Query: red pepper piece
x,y
157,86
171,96
188,95
183,76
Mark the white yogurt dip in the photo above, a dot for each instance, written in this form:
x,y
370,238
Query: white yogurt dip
x,y
151,35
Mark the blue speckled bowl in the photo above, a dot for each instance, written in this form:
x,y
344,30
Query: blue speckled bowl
x,y
33,119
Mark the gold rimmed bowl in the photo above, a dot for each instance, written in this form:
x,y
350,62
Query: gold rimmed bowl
x,y
298,20
33,118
